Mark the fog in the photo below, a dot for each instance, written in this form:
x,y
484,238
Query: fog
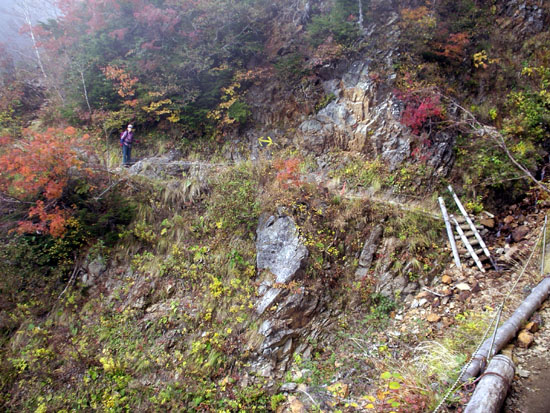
x,y
12,19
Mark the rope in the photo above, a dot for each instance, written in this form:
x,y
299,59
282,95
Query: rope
x,y
496,317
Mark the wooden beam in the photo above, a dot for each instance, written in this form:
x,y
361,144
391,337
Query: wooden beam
x,y
450,232
491,390
509,329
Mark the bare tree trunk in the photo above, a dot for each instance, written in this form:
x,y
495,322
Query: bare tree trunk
x,y
360,22
81,71
27,16
508,330
492,389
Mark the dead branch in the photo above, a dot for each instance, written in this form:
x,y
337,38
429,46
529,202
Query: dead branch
x,y
498,138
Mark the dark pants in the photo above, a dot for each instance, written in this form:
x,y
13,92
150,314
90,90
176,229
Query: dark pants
x,y
126,157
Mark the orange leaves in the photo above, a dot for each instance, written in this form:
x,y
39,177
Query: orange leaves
x,y
48,222
37,168
123,81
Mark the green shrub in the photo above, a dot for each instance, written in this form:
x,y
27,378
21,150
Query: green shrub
x,y
239,111
340,23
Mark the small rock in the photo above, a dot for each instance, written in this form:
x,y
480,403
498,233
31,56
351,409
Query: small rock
x,y
433,318
525,339
508,351
423,294
463,287
289,387
464,295
532,327
296,406
446,279
520,232
523,373
487,222
422,302
508,220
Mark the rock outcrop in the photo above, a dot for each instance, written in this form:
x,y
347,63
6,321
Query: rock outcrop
x,y
280,251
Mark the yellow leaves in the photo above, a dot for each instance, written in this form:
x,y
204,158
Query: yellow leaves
x,y
154,106
339,389
158,108
481,60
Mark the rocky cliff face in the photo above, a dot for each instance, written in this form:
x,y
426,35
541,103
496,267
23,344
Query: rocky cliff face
x,y
363,115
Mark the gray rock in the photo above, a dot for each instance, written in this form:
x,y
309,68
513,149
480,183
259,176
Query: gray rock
x,y
93,270
369,249
279,250
288,387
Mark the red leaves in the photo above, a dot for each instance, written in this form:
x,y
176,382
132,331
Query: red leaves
x,y
421,107
37,168
288,171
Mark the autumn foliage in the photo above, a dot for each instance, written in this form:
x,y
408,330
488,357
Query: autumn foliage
x,y
36,169
288,171
422,109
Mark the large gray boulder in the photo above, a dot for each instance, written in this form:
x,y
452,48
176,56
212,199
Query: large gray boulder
x,y
280,251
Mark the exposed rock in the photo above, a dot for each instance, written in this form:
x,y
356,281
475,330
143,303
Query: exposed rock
x,y
288,387
508,220
446,279
369,249
463,287
532,327
520,232
433,318
525,339
487,222
93,270
364,118
280,251
296,406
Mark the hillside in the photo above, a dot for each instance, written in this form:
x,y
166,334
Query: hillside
x,y
276,242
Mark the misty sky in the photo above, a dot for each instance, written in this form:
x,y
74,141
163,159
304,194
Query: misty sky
x,y
11,20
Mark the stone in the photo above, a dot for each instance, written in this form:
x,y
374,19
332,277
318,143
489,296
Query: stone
x,y
463,287
520,232
487,222
369,249
525,339
508,351
433,318
532,327
288,387
508,220
446,279
296,406
279,250
523,373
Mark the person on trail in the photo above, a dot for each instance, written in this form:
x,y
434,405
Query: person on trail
x,y
126,140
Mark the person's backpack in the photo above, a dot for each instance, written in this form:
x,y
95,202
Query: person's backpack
x,y
122,136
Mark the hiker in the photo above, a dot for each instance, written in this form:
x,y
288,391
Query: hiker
x,y
126,140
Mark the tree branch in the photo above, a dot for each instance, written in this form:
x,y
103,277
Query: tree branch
x,y
498,138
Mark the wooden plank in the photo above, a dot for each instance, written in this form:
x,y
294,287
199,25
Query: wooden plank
x,y
449,232
467,245
472,226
